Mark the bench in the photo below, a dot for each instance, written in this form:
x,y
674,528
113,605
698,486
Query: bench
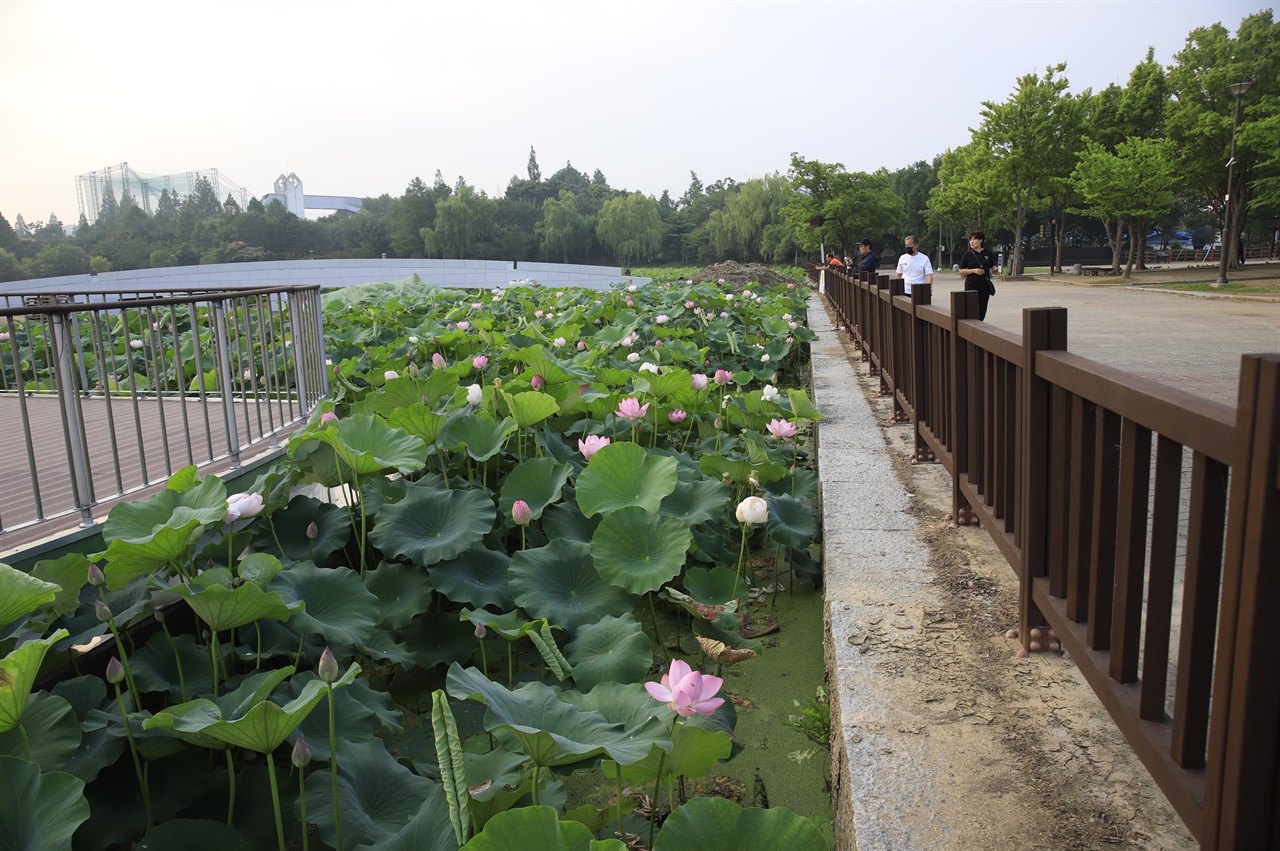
x,y
1094,271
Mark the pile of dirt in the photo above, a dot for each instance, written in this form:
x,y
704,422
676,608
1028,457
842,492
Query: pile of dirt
x,y
739,276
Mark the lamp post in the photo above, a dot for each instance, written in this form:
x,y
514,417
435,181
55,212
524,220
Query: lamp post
x,y
1238,90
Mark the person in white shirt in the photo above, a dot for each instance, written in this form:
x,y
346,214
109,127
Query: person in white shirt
x,y
914,267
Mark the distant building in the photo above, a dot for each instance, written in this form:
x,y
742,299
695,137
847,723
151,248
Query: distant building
x,y
145,189
289,193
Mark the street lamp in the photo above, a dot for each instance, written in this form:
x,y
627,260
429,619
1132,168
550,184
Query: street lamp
x,y
1237,90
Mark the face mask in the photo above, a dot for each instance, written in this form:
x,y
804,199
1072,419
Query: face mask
x,y
911,249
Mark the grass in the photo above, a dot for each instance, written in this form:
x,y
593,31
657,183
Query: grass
x,y
662,274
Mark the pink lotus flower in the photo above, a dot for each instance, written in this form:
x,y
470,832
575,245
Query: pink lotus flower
x,y
791,285
630,303
538,313
521,512
686,691
475,305
591,444
783,429
631,409
437,360
723,377
676,416
464,325
688,305
662,319
699,381
538,382
479,361
582,347
328,417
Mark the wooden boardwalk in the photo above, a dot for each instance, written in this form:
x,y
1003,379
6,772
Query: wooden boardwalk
x,y
150,443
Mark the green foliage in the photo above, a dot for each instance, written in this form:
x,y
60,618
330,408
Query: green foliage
x,y
814,718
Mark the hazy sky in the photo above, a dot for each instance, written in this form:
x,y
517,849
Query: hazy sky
x,y
359,97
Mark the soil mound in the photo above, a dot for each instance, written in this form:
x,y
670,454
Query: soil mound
x,y
739,276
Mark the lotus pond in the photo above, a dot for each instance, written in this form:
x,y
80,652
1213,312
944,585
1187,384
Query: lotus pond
x,y
509,589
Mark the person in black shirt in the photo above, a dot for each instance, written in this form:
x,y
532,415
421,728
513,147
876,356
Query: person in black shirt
x,y
867,260
976,266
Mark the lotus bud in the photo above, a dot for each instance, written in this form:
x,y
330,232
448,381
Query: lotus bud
x,y
480,631
464,325
313,531
630,303
159,615
96,577
582,347
390,374
115,671
723,377
327,670
521,513
719,424
328,417
475,395
633,357
102,610
413,341
764,358
480,361
676,416
558,342
437,360
538,382
301,755
699,381
751,510
413,369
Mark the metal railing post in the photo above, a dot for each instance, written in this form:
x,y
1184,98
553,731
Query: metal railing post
x,y
70,418
224,381
300,350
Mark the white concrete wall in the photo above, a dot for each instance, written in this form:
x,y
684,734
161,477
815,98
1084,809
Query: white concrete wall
x,y
332,273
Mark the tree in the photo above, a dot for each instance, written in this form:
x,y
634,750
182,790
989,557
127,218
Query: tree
x,y
10,266
463,220
1200,118
535,173
63,259
415,210
631,227
1026,134
1125,188
834,208
109,208
231,207
99,264
968,192
565,231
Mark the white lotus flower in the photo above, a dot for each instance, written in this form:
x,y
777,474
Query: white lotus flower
x,y
770,393
753,509
475,395
649,367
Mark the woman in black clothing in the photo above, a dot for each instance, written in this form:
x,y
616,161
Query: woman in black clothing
x,y
976,266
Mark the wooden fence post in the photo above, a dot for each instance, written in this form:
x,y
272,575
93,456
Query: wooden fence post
x,y
921,294
964,305
1242,794
1043,328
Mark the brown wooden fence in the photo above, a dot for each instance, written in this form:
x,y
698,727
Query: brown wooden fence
x,y
1053,454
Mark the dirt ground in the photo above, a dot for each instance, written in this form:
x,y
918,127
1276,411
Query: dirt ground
x,y
1032,727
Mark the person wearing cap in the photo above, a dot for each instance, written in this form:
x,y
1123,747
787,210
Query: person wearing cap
x,y
867,260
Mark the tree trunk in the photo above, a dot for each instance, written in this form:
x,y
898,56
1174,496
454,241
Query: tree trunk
x,y
1114,242
1133,246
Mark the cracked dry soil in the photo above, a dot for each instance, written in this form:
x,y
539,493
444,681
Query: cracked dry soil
x,y
1029,733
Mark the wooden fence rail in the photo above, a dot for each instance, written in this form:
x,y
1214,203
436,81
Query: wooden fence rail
x,y
1108,494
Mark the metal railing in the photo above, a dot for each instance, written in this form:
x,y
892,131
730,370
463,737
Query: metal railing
x,y
140,384
1087,479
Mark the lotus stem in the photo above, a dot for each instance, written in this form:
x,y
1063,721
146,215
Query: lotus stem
x,y
617,772
26,743
213,661
137,759
653,614
177,658
364,524
742,551
275,799
333,766
777,556
258,660
302,801
484,658
124,657
653,807
231,781
271,523
510,667
537,769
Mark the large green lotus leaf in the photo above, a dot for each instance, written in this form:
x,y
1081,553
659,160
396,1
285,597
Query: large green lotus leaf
x,y
694,752
336,603
638,550
258,568
677,382
428,830
377,796
420,420
249,692
698,502
365,446
622,475
359,713
20,593
537,481
553,371
194,835
430,526
566,520
739,470
406,391
333,529
791,522
531,407
803,484
137,522
718,824
261,728
70,573
627,704
434,640
480,436
559,582
156,669
509,625
478,577
18,672
714,587
403,592
53,732
39,811
802,407
227,608
549,730
611,650
537,829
